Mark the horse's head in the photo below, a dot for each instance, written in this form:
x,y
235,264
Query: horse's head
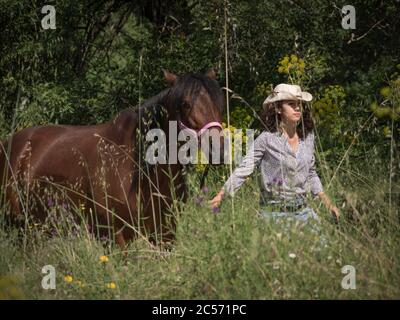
x,y
197,102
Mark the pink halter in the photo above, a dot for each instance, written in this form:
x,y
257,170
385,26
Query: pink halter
x,y
199,133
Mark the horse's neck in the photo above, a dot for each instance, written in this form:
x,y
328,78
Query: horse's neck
x,y
130,119
149,115
158,99
159,117
154,114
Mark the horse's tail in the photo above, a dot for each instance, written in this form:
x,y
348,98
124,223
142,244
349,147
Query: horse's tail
x,y
2,162
3,169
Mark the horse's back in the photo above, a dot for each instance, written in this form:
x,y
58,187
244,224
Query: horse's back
x,y
64,154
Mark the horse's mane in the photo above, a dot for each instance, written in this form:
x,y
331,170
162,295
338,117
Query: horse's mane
x,y
152,112
153,101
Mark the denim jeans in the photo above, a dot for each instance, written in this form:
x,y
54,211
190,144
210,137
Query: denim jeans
x,y
305,216
296,208
301,215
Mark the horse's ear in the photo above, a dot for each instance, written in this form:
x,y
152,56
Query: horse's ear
x,y
170,77
211,74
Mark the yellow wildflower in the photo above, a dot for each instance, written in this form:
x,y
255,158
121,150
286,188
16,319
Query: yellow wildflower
x,y
104,259
385,91
387,132
111,285
79,283
68,279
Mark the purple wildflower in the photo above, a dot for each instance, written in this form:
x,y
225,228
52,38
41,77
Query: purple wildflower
x,y
204,190
199,200
50,202
216,210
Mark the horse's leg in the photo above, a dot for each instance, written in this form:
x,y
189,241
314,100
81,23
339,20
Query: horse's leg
x,y
14,198
15,212
168,239
120,239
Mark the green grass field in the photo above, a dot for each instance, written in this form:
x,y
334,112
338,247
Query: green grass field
x,y
106,56
233,254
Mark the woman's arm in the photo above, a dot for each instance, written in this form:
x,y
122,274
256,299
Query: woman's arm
x,y
329,205
313,178
245,169
216,201
317,189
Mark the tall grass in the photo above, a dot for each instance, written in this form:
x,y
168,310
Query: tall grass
x,y
258,259
220,255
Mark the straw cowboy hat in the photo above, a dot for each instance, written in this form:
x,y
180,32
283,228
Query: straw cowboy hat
x,y
285,91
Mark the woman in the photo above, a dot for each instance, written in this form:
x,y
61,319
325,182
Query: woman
x,y
285,155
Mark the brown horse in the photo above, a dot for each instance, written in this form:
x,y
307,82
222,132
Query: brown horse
x,y
100,168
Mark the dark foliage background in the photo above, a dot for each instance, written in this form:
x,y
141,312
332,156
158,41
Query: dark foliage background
x,y
107,55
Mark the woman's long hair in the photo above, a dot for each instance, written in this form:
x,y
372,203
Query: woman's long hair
x,y
271,119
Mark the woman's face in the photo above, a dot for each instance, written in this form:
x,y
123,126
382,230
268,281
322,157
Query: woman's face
x,y
291,110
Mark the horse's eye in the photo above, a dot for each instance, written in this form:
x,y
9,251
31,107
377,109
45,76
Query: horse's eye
x,y
186,105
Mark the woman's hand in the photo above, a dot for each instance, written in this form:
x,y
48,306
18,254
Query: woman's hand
x,y
216,201
328,203
335,212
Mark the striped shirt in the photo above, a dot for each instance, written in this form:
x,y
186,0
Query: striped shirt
x,y
285,174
